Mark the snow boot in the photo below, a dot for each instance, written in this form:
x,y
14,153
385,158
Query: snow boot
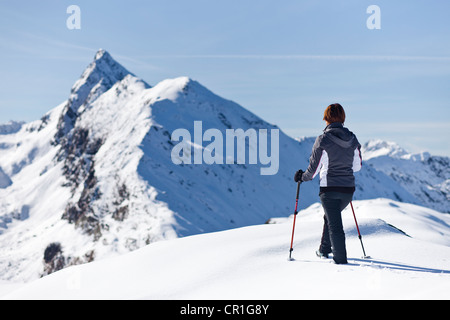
x,y
322,255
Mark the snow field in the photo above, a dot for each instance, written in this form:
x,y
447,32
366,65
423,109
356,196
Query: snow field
x,y
252,263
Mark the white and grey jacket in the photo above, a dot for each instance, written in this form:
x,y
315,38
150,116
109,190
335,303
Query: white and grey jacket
x,y
336,155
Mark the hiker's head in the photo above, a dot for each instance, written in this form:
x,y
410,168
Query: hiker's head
x,y
334,113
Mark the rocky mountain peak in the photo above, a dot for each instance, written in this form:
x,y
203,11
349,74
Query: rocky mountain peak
x,y
101,74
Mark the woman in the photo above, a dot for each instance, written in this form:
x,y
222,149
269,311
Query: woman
x,y
336,155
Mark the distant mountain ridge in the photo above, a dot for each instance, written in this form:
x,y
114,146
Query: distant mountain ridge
x,y
11,127
424,176
95,175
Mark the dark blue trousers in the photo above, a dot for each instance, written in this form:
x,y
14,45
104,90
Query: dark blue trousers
x,y
333,236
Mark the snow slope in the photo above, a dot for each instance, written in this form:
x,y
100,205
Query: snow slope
x,y
251,262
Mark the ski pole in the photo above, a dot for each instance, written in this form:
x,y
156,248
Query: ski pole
x,y
295,216
359,234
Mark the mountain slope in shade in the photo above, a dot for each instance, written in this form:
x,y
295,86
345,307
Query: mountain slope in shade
x,y
94,177
5,181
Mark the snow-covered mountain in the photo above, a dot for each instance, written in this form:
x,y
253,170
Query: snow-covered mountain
x,y
94,176
424,176
11,127
410,254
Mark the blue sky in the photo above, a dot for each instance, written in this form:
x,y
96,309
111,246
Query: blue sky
x,y
283,60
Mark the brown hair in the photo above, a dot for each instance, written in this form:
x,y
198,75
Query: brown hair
x,y
334,113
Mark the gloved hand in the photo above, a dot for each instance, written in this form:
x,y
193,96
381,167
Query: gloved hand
x,y
298,176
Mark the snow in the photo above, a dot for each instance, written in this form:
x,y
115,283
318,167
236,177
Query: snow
x,y
10,127
28,206
44,171
425,177
376,148
251,262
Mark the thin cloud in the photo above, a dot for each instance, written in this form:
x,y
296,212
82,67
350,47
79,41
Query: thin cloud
x,y
306,57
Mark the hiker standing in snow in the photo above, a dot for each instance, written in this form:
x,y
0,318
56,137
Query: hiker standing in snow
x,y
336,155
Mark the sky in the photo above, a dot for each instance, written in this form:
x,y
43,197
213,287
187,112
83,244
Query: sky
x,y
285,61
